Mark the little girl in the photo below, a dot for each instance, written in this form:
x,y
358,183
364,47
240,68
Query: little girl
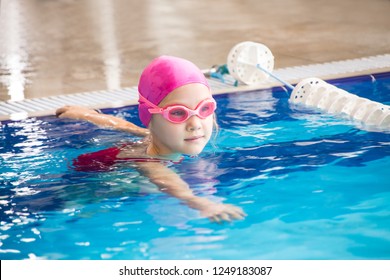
x,y
177,107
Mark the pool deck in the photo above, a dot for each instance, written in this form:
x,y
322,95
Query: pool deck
x,y
92,52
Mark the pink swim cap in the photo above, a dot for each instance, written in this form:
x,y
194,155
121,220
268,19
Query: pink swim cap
x,y
162,76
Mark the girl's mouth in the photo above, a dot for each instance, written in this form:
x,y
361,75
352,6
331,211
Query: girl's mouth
x,y
194,138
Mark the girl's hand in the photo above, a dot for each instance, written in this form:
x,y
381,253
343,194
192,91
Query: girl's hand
x,y
217,212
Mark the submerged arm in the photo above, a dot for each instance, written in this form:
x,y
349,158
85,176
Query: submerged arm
x,y
171,183
87,114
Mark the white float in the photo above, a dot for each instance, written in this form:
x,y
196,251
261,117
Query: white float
x,y
317,93
243,61
251,63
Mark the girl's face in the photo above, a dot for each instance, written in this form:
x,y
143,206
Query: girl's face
x,y
189,137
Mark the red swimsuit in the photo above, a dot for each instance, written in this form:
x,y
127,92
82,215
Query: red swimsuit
x,y
104,160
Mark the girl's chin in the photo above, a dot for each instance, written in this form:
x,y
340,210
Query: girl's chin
x,y
193,152
193,149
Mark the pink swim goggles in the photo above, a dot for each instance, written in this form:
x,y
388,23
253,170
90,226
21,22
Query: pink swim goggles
x,y
181,113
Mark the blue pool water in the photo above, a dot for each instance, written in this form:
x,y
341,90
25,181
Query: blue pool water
x,y
314,186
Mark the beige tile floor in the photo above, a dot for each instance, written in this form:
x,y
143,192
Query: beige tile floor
x,y
68,46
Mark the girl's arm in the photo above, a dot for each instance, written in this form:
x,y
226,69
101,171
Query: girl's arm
x,y
87,114
171,183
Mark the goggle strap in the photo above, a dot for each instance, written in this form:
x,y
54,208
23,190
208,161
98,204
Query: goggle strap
x,y
155,110
147,102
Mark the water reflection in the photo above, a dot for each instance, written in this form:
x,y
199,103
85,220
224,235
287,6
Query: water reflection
x,y
73,33
104,24
14,60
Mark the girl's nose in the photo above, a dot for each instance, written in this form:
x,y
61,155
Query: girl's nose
x,y
193,123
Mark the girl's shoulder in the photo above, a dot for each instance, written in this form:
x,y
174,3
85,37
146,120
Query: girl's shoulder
x,y
137,152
